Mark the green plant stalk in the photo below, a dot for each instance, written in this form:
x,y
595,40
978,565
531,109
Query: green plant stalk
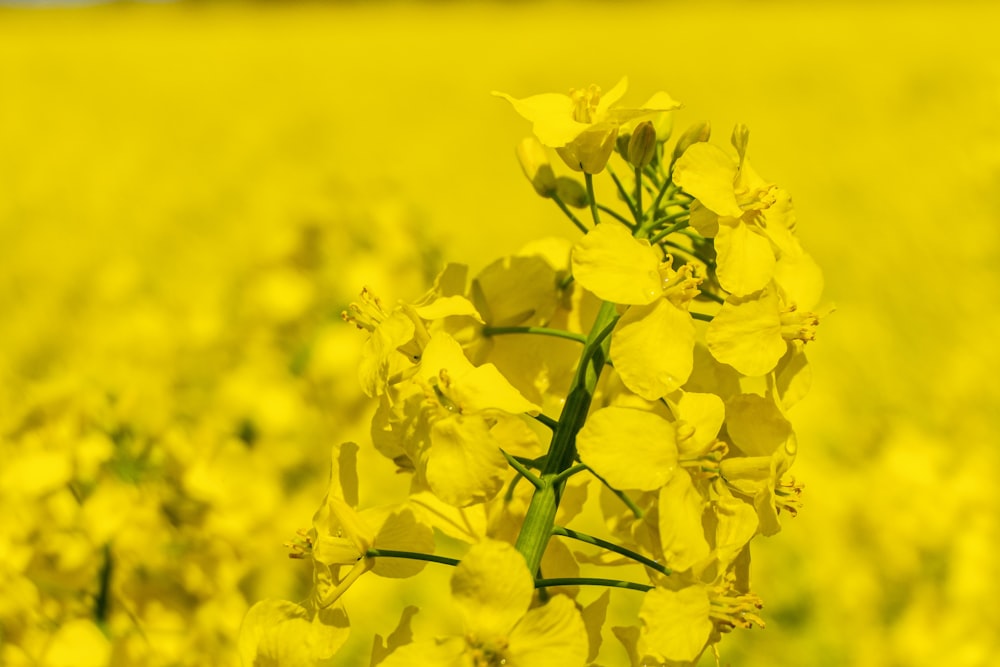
x,y
540,518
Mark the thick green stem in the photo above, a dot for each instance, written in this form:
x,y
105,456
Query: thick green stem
x,y
540,518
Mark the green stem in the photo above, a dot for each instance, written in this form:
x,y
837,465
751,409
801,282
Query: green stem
x,y
625,195
587,581
680,224
541,514
638,196
522,470
610,546
589,180
636,510
102,602
547,421
410,555
659,196
702,316
569,214
617,216
712,297
569,472
540,331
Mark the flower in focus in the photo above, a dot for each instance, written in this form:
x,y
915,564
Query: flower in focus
x,y
492,590
582,126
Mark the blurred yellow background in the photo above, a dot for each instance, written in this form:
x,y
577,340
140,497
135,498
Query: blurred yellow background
x,y
190,193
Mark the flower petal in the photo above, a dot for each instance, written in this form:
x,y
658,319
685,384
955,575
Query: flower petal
x,y
553,634
492,588
676,625
707,173
617,267
631,449
653,348
464,465
746,261
551,116
746,333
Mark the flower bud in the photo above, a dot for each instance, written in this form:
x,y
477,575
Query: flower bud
x,y
572,192
694,134
535,163
642,145
740,139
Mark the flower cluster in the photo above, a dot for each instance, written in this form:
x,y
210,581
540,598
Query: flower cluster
x,y
652,363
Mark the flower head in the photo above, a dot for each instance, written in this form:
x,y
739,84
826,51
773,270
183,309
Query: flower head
x,y
583,126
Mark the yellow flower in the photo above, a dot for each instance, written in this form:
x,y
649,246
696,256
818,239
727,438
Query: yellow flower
x,y
493,590
583,126
652,345
745,214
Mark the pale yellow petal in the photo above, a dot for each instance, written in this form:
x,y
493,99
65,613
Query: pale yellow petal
x,y
590,150
553,634
593,618
701,414
707,173
800,280
631,449
492,588
402,532
448,306
516,291
611,97
756,425
745,259
279,633
746,333
676,625
682,536
551,116
735,527
429,653
652,348
703,220
793,375
464,464
617,267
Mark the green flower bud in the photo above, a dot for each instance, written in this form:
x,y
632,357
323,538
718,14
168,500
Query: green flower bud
x,y
572,192
535,163
694,134
740,139
642,145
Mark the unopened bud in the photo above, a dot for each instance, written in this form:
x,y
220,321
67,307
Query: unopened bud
x,y
740,139
535,163
642,145
571,192
694,134
621,144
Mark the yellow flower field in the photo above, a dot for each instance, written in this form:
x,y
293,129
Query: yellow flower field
x,y
191,193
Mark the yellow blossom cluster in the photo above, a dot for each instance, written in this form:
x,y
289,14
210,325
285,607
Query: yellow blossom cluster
x,y
652,362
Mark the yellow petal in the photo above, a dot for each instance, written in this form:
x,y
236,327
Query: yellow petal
x,y
402,532
551,116
736,525
800,280
756,424
676,625
464,464
553,634
516,291
704,413
793,375
707,173
492,588
277,632
429,653
631,449
591,149
682,536
746,333
594,615
745,258
652,348
611,97
617,267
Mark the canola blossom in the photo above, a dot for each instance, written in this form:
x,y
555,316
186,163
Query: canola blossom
x,y
651,362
